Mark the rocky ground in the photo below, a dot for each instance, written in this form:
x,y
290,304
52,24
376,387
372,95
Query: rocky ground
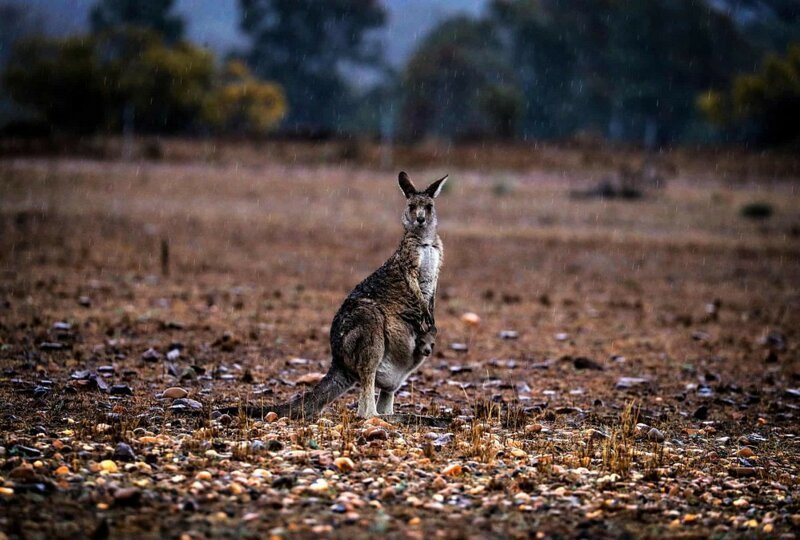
x,y
610,367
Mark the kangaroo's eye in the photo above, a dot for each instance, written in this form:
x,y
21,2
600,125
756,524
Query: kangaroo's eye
x,y
412,207
428,207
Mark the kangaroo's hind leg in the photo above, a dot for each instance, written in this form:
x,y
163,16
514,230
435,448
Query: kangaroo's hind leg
x,y
386,402
363,349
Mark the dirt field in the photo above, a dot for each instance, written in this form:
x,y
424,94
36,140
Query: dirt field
x,y
635,370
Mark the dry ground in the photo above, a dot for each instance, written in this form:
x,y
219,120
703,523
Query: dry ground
x,y
674,313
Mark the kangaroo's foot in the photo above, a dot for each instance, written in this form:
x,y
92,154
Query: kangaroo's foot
x,y
366,400
385,402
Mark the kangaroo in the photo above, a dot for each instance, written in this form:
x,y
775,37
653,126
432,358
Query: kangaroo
x,y
385,328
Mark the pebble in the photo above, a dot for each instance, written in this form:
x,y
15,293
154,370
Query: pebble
x,y
26,451
470,319
453,469
344,464
655,435
701,413
203,475
375,434
109,466
175,392
120,390
124,452
624,383
187,403
439,483
319,486
151,355
271,416
256,445
597,435
533,428
129,496
310,378
23,472
377,421
745,452
582,362
743,472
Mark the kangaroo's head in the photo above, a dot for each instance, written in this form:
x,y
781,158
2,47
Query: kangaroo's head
x,y
420,213
426,343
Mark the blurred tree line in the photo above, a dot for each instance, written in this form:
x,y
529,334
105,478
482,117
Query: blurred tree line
x,y
655,72
613,69
135,71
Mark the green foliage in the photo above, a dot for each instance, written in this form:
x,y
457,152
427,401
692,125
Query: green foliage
x,y
303,44
62,80
548,52
166,86
764,105
663,53
502,104
154,15
631,69
457,84
548,68
17,22
243,103
83,84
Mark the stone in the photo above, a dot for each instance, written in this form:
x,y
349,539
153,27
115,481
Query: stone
x,y
124,452
375,433
344,464
151,355
108,466
174,392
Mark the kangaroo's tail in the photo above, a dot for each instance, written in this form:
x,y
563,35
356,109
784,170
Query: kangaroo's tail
x,y
307,405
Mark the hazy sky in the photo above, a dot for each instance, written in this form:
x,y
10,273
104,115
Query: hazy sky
x,y
215,23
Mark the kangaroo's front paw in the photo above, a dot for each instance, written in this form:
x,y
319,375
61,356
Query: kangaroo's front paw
x,y
427,321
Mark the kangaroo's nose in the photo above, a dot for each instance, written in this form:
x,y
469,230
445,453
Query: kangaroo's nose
x,y
420,219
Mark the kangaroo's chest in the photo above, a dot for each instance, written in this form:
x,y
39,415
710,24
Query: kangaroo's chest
x,y
429,262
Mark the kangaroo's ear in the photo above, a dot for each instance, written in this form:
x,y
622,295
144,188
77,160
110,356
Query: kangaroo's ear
x,y
436,188
406,185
